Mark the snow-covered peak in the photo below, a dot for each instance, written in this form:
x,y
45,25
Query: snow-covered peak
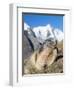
x,y
58,35
26,26
47,32
43,31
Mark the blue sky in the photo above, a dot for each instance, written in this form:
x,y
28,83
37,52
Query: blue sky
x,y
34,20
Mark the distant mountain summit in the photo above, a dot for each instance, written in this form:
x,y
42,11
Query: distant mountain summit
x,y
59,35
47,32
26,26
43,33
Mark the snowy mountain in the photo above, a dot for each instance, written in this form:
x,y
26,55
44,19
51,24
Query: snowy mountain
x,y
59,35
26,26
44,32
28,29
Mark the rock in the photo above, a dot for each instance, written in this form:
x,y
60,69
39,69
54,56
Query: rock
x,y
27,46
30,43
34,41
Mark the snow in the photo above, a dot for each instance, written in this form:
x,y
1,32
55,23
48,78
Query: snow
x,y
59,35
45,32
42,31
26,26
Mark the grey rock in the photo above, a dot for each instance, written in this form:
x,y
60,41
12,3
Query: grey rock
x,y
26,45
30,43
34,41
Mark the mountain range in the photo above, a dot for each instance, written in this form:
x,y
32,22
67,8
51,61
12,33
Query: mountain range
x,y
43,33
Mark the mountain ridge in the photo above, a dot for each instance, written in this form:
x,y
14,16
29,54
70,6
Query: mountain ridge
x,y
43,33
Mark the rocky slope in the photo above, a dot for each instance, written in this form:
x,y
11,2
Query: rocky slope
x,y
41,37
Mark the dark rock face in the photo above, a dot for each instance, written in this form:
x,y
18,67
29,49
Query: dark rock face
x,y
27,47
34,41
30,44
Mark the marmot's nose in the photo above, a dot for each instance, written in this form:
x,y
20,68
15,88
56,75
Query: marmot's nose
x,y
45,66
